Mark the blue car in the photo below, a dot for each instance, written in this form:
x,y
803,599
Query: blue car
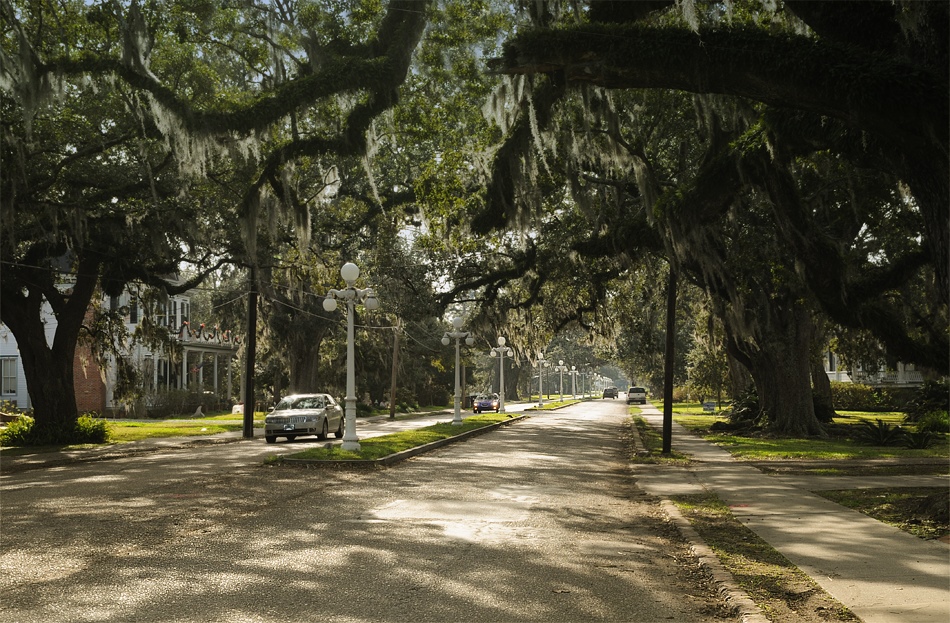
x,y
485,402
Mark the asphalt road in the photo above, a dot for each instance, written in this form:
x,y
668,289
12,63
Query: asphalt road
x,y
537,521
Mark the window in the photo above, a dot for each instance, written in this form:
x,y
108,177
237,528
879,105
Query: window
x,y
8,376
133,309
173,319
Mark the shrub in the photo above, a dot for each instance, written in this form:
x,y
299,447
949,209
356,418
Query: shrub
x,y
921,439
932,396
935,421
91,429
858,397
745,409
23,432
878,433
680,393
18,432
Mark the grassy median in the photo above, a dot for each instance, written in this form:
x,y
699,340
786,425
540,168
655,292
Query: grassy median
x,y
375,448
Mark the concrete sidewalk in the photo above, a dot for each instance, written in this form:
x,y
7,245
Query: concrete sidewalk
x,y
883,575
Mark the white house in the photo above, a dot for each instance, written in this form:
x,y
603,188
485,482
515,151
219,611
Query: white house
x,y
204,363
904,374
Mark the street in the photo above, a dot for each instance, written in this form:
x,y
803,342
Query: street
x,y
537,521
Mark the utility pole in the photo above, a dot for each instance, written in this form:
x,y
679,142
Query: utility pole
x,y
250,354
392,388
668,371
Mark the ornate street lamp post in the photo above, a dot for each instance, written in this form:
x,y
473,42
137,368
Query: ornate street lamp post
x,y
350,272
574,382
542,364
561,368
457,335
500,351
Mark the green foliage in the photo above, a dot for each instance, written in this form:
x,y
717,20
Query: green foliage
x,y
921,439
745,411
89,428
859,397
17,433
935,421
932,396
878,433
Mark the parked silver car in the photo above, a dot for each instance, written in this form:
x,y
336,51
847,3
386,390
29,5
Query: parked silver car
x,y
304,414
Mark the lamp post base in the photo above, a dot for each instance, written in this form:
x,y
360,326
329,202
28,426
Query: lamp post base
x,y
350,440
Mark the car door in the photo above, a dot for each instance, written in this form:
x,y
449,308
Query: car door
x,y
334,413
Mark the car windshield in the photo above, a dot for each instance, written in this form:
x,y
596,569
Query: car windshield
x,y
300,402
637,390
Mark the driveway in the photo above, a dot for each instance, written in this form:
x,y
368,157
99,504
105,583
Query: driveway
x,y
537,521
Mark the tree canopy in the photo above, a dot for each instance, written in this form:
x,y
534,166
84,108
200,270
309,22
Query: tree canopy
x,y
791,161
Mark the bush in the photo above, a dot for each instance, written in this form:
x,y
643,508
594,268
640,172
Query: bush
x,y
17,433
680,393
745,409
931,397
23,432
858,397
921,439
878,433
91,429
935,421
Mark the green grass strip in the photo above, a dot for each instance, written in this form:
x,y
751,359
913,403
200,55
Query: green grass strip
x,y
780,588
378,447
763,447
136,431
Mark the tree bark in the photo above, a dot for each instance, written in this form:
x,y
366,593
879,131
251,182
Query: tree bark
x,y
49,368
781,369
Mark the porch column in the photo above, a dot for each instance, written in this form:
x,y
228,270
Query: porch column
x,y
201,370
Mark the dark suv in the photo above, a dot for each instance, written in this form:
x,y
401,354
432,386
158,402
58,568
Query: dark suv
x,y
611,392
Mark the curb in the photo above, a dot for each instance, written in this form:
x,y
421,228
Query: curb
x,y
398,456
726,586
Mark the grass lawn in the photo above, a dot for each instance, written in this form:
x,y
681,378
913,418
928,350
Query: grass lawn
x,y
838,447
379,447
555,404
921,511
121,432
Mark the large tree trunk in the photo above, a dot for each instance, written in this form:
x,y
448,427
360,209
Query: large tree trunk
x,y
49,380
780,356
49,369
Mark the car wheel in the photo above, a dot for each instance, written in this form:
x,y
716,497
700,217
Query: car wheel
x,y
323,431
291,437
339,430
270,438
